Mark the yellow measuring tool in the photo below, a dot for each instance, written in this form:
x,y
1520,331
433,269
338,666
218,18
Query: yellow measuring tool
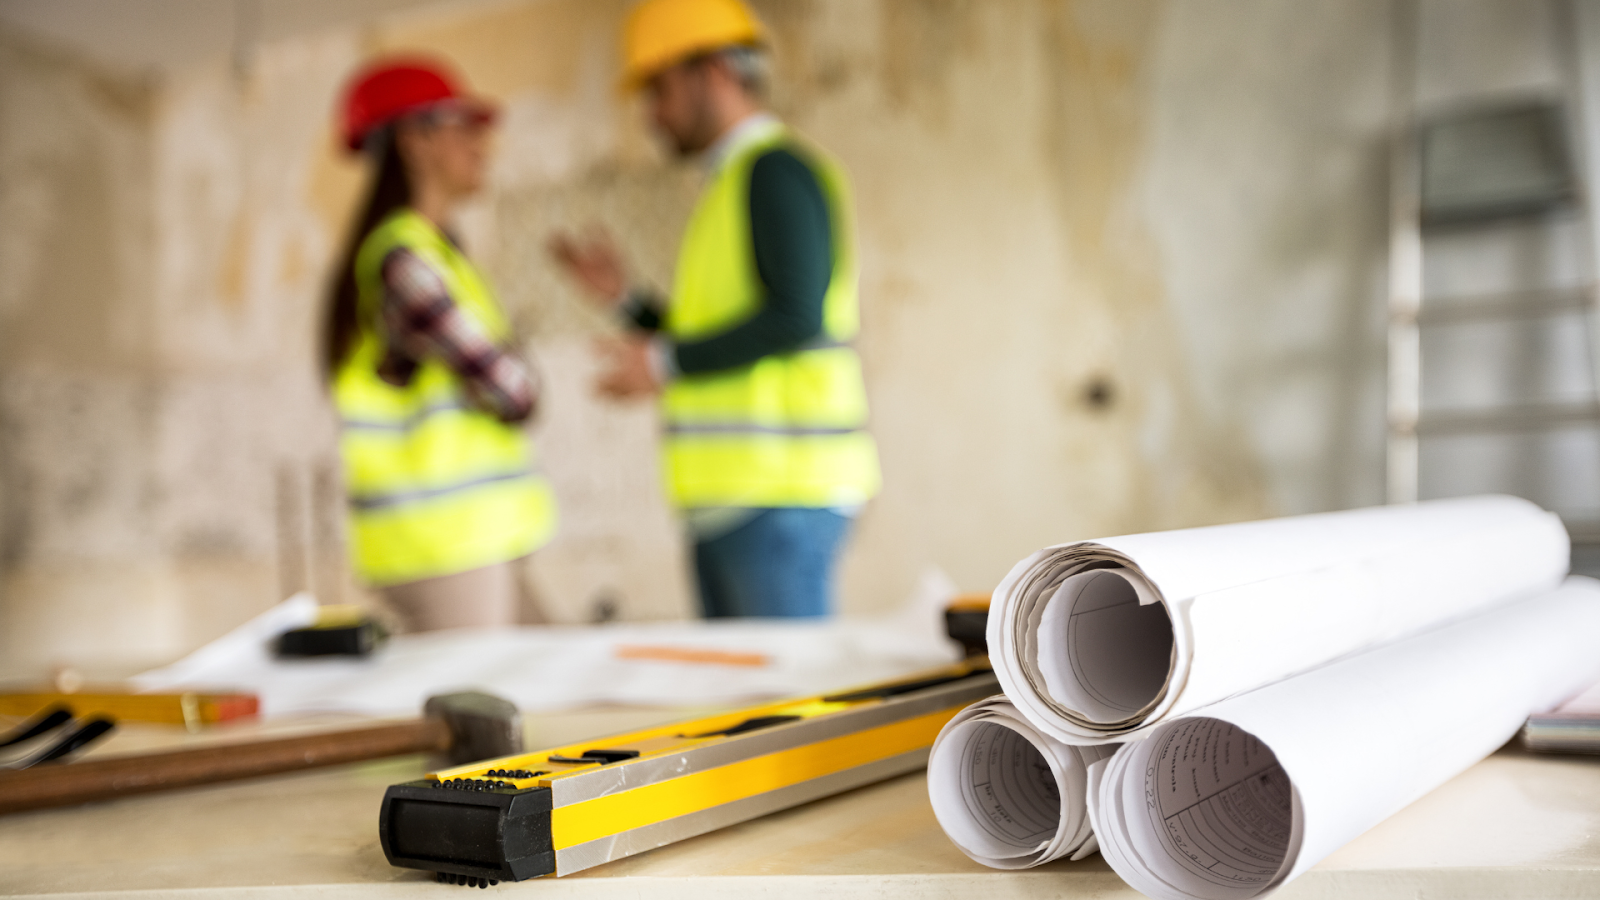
x,y
189,708
563,810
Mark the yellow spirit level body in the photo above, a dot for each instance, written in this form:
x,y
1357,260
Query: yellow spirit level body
x,y
185,708
559,811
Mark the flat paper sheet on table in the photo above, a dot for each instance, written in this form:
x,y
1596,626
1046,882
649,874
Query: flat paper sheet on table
x,y
1096,640
552,668
1236,799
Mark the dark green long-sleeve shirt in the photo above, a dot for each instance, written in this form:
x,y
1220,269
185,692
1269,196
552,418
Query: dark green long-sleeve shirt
x,y
792,238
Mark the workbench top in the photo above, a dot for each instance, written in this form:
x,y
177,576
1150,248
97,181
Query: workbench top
x,y
1516,825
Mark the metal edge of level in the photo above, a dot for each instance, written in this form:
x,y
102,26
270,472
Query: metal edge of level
x,y
617,777
673,797
659,834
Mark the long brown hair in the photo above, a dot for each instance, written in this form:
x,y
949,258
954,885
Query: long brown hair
x,y
391,189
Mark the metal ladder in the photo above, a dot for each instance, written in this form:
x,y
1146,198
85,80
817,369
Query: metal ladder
x,y
1493,294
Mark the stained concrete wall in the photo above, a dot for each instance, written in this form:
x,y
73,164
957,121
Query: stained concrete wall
x,y
1121,262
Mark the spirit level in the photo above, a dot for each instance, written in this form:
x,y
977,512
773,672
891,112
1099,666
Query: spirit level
x,y
189,708
560,811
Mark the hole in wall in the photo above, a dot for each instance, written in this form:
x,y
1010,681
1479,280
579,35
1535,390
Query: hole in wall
x,y
1099,393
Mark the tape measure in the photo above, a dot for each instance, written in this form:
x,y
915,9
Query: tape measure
x,y
339,630
555,812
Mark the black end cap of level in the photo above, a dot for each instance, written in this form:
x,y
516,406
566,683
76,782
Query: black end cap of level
x,y
970,627
503,834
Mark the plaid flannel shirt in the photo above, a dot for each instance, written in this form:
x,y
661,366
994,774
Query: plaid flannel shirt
x,y
421,321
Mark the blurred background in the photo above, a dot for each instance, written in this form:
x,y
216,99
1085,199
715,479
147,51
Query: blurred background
x,y
1127,265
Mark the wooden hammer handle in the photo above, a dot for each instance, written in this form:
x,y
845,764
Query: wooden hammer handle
x,y
117,776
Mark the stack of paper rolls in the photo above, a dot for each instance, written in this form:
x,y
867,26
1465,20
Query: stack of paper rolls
x,y
1308,668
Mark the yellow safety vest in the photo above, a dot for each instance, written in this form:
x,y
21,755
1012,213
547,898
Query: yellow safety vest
x,y
790,428
435,487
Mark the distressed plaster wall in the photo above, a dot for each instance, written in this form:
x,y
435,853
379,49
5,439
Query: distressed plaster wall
x,y
1266,184
158,408
1119,262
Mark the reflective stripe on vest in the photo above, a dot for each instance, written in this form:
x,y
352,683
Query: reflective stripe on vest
x,y
788,429
409,424
435,487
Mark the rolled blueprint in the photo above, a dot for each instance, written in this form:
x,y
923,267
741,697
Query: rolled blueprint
x,y
1096,640
1238,798
1006,795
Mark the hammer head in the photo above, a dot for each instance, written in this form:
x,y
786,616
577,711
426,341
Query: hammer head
x,y
482,726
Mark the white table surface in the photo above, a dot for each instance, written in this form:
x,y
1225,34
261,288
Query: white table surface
x,y
1516,825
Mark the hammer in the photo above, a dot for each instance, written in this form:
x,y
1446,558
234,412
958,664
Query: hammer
x,y
464,726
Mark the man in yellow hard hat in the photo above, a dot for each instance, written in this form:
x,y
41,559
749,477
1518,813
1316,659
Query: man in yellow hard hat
x,y
766,448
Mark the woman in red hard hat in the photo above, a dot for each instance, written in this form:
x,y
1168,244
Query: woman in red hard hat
x,y
444,498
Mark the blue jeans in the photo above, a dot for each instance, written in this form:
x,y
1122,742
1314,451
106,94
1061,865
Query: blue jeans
x,y
779,563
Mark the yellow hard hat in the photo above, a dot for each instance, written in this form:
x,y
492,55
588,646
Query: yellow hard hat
x,y
662,33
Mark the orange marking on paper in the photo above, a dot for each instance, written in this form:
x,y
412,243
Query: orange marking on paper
x,y
691,655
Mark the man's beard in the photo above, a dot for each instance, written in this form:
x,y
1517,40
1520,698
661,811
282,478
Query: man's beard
x,y
700,134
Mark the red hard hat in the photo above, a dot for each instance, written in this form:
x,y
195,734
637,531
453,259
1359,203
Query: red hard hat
x,y
389,88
